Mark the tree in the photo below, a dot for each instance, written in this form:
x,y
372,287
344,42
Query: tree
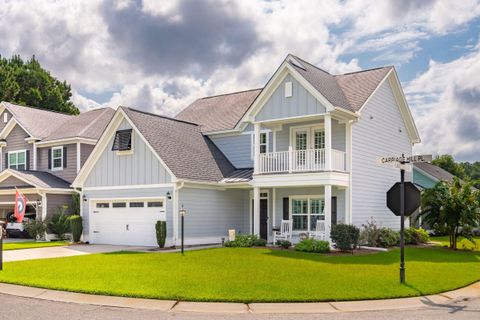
x,y
472,170
453,207
447,163
27,83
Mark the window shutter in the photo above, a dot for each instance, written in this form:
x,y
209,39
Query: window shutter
x,y
27,160
6,160
286,213
50,158
334,211
64,157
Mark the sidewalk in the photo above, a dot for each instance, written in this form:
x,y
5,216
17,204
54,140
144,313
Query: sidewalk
x,y
469,292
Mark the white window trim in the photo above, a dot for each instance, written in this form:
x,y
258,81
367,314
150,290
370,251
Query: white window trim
x,y
308,198
61,158
252,143
310,134
17,152
126,152
93,203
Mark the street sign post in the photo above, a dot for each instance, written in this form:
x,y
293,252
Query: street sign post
x,y
398,191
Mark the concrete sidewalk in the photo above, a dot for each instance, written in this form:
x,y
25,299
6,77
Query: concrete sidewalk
x,y
443,299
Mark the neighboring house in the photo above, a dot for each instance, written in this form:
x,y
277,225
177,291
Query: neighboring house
x,y
303,148
41,153
427,175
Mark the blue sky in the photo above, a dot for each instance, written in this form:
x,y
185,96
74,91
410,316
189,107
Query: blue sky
x,y
160,56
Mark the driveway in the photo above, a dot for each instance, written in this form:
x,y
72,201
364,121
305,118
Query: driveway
x,y
66,251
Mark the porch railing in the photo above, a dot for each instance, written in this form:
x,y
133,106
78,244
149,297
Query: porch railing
x,y
299,161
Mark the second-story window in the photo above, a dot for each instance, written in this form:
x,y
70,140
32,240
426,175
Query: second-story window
x,y
263,143
17,160
57,158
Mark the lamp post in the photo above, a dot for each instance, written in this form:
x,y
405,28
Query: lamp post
x,y
1,247
182,213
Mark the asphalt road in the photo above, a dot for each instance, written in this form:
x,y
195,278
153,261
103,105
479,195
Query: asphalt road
x,y
13,307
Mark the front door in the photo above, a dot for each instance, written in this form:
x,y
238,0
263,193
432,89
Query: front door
x,y
263,218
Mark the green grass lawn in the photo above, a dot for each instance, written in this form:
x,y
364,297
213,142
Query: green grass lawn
x,y
32,244
462,243
249,274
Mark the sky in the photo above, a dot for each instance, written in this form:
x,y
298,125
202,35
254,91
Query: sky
x,y
159,56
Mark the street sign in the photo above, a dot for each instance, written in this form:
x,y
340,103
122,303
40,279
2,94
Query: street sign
x,y
412,198
405,159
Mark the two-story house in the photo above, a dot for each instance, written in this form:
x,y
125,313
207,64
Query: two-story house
x,y
303,148
41,153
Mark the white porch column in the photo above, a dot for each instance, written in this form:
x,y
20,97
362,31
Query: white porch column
x,y
34,167
256,144
274,206
79,156
328,210
348,168
328,142
256,210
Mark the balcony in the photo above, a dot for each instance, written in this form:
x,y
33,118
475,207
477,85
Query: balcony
x,y
309,160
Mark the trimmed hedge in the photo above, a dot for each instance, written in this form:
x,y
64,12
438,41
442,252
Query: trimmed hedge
x,y
76,226
345,236
312,245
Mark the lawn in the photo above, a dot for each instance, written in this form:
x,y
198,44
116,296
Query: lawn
x,y
249,274
32,244
462,243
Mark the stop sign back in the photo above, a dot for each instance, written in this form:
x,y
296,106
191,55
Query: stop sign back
x,y
412,198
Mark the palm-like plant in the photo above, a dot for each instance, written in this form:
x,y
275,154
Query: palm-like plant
x,y
453,207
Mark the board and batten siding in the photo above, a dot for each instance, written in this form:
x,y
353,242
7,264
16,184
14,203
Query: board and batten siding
x,y
301,103
141,167
55,202
91,195
379,132
211,213
69,172
16,141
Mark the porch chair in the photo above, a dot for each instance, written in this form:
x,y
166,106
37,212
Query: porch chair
x,y
319,233
285,233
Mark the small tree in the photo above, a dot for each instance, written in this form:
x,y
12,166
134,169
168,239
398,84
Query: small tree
x,y
59,223
453,207
76,226
75,204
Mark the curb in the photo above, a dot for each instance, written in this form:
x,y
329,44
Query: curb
x,y
469,292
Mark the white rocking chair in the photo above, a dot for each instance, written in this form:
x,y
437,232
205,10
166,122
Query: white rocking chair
x,y
285,233
319,233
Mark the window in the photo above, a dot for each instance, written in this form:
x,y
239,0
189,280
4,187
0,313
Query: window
x,y
103,205
17,160
57,158
155,204
306,212
263,143
137,204
123,140
119,205
288,89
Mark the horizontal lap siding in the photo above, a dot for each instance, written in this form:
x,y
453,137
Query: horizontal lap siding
x,y
210,213
56,201
377,134
422,180
16,141
2,123
13,182
70,172
85,150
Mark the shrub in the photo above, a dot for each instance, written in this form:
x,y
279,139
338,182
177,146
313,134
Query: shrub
x,y
416,236
161,231
36,229
345,236
285,244
242,240
259,242
370,233
76,226
388,238
59,225
312,245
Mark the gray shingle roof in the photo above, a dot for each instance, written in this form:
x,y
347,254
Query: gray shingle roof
x,y
434,171
42,179
348,91
182,146
239,175
88,124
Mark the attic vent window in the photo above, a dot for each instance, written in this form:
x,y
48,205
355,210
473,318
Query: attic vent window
x,y
288,89
123,140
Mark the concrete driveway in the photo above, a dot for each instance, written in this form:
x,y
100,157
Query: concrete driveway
x,y
66,251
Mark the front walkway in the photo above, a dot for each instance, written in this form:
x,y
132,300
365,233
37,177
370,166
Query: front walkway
x,y
445,299
64,251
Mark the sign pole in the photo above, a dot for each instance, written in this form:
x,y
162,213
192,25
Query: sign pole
x,y
402,226
1,247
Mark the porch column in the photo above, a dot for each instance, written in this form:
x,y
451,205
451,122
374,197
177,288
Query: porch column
x,y
256,210
328,142
256,144
34,166
328,210
348,168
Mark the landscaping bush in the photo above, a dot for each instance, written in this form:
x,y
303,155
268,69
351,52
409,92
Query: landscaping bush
x,y
161,231
36,229
259,242
388,238
59,225
370,233
345,236
76,226
242,241
416,236
285,244
312,245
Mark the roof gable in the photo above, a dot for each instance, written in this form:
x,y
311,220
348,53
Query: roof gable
x,y
37,179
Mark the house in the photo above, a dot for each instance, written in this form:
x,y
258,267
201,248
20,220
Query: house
x,y
41,153
427,175
302,148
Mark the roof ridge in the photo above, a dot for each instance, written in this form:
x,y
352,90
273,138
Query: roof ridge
x,y
159,116
311,64
40,109
230,93
360,71
94,121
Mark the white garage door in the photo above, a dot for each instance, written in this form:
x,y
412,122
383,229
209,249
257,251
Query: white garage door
x,y
126,222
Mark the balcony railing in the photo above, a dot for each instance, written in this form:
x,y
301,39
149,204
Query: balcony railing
x,y
300,161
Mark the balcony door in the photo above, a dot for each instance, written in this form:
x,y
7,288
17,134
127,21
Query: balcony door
x,y
309,144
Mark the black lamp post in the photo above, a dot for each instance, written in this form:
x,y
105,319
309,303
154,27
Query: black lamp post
x,y
1,247
183,212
